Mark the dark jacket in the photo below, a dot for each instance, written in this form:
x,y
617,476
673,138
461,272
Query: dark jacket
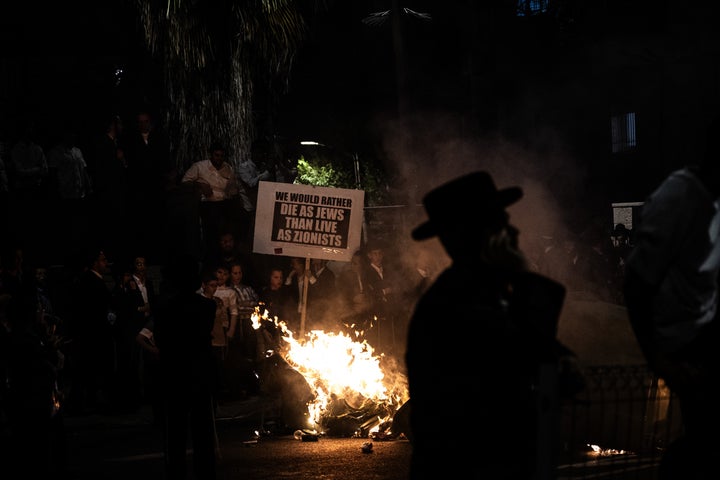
x,y
472,341
183,326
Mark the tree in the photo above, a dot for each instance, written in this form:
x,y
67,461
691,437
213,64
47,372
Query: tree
x,y
212,55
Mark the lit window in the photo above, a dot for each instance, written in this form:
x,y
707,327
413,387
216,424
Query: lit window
x,y
623,132
531,7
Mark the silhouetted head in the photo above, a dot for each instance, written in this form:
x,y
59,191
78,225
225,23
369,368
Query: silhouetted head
x,y
217,154
468,216
465,203
95,259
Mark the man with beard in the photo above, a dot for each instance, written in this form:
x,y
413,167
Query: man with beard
x,y
510,316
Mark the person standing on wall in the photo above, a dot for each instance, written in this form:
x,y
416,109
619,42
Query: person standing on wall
x,y
220,203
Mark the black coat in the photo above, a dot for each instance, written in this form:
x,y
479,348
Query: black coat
x,y
472,358
183,328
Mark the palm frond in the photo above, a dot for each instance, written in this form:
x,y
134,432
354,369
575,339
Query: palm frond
x,y
212,53
377,19
419,15
381,18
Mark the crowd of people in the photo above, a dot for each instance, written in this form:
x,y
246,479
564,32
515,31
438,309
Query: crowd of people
x,y
93,233
116,185
88,328
87,338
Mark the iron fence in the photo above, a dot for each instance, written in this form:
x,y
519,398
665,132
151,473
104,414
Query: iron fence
x,y
618,426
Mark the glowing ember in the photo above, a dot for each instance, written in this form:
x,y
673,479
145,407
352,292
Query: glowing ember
x,y
343,373
597,451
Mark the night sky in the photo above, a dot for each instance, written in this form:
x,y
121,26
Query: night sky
x,y
546,85
63,59
60,60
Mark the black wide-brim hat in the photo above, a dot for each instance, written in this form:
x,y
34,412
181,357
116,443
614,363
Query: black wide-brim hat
x,y
471,198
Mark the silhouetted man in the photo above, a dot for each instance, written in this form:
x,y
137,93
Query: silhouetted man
x,y
183,326
480,332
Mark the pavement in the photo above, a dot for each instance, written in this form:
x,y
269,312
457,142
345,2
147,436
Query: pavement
x,y
129,446
251,445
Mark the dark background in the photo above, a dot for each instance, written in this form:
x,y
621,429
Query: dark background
x,y
478,77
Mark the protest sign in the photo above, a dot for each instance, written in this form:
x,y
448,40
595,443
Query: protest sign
x,y
308,221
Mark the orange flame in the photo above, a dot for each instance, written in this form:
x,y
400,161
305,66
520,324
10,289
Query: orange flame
x,y
336,366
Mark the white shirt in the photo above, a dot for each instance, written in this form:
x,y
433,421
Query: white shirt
x,y
229,298
222,181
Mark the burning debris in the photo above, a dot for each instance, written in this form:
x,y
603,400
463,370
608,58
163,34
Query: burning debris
x,y
598,452
348,390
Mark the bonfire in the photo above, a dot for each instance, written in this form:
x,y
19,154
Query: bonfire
x,y
352,389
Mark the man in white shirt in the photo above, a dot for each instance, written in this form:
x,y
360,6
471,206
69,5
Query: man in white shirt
x,y
220,203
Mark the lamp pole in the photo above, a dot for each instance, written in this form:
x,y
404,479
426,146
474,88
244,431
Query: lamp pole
x,y
356,164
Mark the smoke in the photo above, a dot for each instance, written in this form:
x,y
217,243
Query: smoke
x,y
556,212
425,151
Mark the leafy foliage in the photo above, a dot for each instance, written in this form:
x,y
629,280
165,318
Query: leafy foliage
x,y
321,172
318,175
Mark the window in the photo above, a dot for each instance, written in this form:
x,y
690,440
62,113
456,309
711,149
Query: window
x,y
623,132
531,7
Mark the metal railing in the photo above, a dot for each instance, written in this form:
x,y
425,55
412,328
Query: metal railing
x,y
618,426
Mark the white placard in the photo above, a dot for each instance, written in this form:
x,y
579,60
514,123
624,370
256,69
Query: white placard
x,y
307,221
